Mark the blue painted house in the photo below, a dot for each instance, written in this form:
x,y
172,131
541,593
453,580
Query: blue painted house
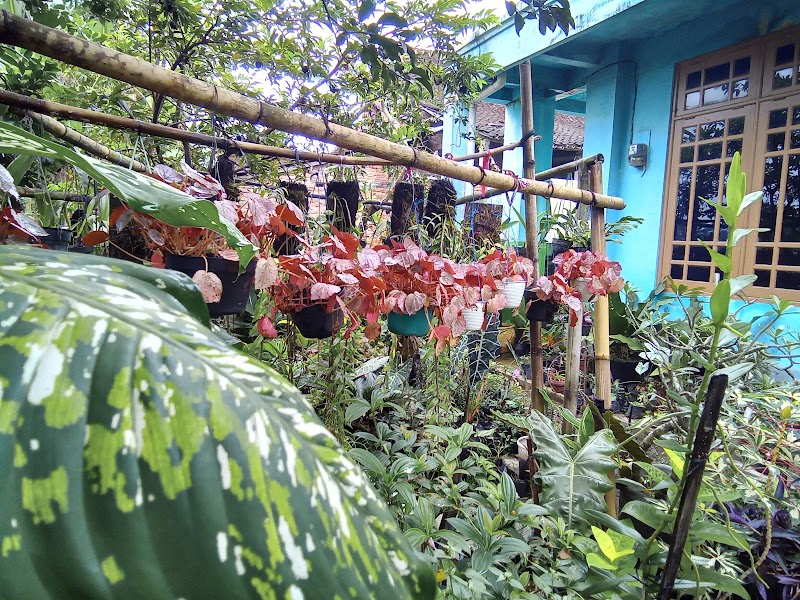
x,y
694,81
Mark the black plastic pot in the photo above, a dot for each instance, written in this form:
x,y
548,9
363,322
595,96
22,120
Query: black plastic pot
x,y
581,248
342,200
407,204
539,310
81,249
235,289
314,322
57,239
558,247
298,194
635,411
600,405
439,206
624,371
586,329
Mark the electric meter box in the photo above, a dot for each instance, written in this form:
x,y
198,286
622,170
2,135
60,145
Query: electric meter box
x,y
637,155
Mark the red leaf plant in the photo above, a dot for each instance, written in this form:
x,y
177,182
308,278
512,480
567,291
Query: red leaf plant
x,y
496,268
599,274
417,280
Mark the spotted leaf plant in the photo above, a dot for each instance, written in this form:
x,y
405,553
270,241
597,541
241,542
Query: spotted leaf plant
x,y
142,457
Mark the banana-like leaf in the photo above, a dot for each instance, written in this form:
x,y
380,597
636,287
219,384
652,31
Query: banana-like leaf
x,y
572,481
141,193
142,457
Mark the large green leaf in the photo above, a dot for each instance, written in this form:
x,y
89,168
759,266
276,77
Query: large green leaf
x,y
141,193
572,481
142,457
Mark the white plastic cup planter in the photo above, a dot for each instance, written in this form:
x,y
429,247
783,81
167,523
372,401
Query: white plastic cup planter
x,y
582,285
474,317
513,291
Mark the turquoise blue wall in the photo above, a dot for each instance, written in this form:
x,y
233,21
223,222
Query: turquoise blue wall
x,y
631,49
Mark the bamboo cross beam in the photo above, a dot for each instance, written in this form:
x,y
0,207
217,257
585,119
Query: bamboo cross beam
x,y
61,46
46,107
81,141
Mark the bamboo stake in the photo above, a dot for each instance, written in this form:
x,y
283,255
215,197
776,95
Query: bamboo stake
x,y
94,148
572,375
602,356
164,131
531,232
61,46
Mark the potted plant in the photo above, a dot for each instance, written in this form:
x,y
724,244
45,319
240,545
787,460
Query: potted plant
x,y
421,286
578,277
506,273
323,284
203,254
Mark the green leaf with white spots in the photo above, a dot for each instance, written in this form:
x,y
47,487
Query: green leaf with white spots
x,y
142,457
141,193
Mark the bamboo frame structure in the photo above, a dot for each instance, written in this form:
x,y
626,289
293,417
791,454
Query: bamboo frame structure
x,y
531,231
61,46
88,144
29,192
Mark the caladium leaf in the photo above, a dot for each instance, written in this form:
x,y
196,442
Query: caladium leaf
x,y
266,273
210,286
169,464
141,193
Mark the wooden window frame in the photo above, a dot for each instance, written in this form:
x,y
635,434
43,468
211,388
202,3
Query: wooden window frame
x,y
762,52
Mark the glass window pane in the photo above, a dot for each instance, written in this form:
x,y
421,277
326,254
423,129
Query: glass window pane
x,y
693,80
796,116
772,193
699,254
777,118
789,257
718,73
788,280
709,151
782,78
678,252
676,271
704,215
698,274
682,203
736,126
713,95
692,100
712,130
733,147
764,256
687,154
775,141
794,144
790,228
784,54
741,88
741,66
689,135
762,278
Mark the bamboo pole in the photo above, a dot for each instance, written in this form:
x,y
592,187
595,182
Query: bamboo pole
x,y
565,169
498,150
165,131
59,45
531,232
29,192
602,357
75,138
569,168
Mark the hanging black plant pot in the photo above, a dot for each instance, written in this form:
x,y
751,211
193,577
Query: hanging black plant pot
x,y
440,206
342,200
407,204
235,288
57,238
298,194
558,247
314,322
539,310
